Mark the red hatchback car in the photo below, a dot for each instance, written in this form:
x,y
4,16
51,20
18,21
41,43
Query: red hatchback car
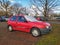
x,y
28,24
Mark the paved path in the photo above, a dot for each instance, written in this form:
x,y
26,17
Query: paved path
x,y
54,22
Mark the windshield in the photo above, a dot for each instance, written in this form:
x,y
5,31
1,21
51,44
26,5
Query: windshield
x,y
30,18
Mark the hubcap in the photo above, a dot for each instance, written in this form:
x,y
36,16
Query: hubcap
x,y
35,32
10,28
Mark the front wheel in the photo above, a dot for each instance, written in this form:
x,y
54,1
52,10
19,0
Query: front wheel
x,y
35,32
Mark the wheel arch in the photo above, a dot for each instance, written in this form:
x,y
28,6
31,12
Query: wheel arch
x,y
34,27
8,25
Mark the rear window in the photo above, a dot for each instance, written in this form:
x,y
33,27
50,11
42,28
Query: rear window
x,y
13,18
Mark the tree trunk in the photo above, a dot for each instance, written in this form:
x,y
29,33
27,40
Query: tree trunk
x,y
6,11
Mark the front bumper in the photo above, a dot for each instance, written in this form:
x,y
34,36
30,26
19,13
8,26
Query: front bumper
x,y
45,31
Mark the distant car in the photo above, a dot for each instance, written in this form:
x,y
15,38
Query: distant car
x,y
3,18
58,18
6,18
0,19
28,24
41,18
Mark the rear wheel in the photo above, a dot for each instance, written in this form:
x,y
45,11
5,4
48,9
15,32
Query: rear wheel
x,y
10,28
35,32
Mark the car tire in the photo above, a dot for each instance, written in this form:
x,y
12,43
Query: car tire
x,y
10,28
35,32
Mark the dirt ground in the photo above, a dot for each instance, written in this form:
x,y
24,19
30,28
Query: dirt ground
x,y
15,37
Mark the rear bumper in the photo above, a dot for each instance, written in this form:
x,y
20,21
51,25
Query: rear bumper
x,y
45,31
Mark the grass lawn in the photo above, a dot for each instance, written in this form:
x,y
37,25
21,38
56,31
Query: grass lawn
x,y
53,38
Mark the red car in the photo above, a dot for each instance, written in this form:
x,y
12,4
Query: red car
x,y
28,24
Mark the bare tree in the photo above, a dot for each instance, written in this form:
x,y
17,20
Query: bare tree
x,y
4,4
47,5
16,8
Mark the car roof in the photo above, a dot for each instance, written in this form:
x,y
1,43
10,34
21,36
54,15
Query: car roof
x,y
19,15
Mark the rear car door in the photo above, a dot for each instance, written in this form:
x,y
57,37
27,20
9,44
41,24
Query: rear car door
x,y
12,22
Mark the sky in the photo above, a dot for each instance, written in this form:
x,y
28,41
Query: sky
x,y
26,3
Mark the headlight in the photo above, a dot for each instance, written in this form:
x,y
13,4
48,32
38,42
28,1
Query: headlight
x,y
47,26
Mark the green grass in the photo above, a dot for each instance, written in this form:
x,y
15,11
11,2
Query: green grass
x,y
53,38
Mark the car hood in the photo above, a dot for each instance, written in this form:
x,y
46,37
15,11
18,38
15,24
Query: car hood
x,y
41,23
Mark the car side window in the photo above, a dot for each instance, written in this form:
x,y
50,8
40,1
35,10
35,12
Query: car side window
x,y
21,19
13,18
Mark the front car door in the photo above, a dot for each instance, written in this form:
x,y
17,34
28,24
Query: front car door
x,y
22,25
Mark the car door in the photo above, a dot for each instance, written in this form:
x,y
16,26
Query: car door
x,y
13,22
22,25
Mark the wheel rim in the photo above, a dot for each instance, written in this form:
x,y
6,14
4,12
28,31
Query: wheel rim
x,y
10,28
35,33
